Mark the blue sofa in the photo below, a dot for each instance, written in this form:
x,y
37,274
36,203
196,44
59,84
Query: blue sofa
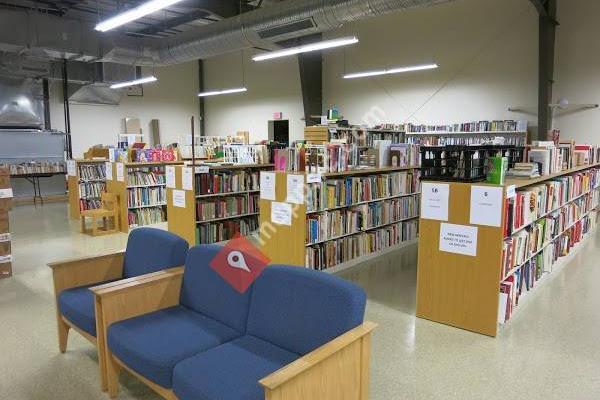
x,y
148,251
207,341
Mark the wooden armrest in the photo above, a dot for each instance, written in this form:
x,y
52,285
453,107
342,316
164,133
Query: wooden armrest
x,y
131,297
337,370
86,270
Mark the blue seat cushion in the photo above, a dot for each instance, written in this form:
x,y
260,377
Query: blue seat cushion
x,y
151,250
77,305
152,344
299,309
230,371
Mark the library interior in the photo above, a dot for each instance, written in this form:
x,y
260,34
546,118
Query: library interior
x,y
299,199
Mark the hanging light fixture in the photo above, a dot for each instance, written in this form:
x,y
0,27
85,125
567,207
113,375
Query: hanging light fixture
x,y
224,91
147,79
325,44
135,13
390,71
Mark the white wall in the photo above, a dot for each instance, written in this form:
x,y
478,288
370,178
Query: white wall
x,y
577,68
172,100
487,56
272,86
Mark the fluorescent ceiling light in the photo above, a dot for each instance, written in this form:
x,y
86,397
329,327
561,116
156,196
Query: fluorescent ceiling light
x,y
147,79
326,44
133,14
225,91
390,71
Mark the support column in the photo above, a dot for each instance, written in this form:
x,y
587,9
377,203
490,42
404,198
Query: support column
x,y
201,99
547,35
311,81
65,79
46,95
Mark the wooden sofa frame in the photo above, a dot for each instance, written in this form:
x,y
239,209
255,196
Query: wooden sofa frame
x,y
338,370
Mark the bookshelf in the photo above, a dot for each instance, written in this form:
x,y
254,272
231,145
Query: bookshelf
x,y
86,179
141,192
361,136
442,138
214,201
480,292
345,218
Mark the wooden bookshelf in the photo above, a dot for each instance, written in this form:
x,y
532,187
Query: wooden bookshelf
x,y
464,291
289,244
121,185
184,220
73,182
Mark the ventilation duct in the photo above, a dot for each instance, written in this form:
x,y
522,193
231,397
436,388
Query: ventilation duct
x,y
259,28
21,104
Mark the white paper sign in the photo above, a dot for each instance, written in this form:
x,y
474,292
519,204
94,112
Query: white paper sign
x,y
267,185
203,169
295,189
459,239
109,174
5,259
313,178
4,237
6,193
170,176
179,198
486,205
281,213
111,155
120,172
187,178
434,200
71,168
511,191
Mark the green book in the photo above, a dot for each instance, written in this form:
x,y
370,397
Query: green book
x,y
497,167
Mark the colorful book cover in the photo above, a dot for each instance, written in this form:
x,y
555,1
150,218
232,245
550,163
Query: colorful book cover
x,y
497,167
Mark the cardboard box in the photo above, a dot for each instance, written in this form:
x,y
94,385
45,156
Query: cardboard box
x,y
4,248
5,270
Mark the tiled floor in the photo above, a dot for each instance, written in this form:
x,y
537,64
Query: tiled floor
x,y
550,350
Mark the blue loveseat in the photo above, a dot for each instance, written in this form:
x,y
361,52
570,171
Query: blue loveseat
x,y
148,251
293,330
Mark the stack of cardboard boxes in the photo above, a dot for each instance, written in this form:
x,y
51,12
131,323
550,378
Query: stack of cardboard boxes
x,y
5,204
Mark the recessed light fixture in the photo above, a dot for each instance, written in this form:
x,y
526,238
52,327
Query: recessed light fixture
x,y
224,91
147,79
133,14
390,71
326,44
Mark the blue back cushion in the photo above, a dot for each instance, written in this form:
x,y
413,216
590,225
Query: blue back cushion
x,y
300,309
150,250
204,290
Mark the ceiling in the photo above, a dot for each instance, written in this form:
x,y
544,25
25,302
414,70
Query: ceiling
x,y
170,21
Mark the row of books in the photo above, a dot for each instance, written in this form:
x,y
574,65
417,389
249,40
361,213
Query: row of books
x,y
91,189
245,154
404,155
89,204
528,242
331,224
333,193
324,158
455,140
150,177
329,254
535,201
36,167
226,182
146,196
92,172
146,216
154,155
546,155
526,277
224,230
230,206
392,137
290,159
473,126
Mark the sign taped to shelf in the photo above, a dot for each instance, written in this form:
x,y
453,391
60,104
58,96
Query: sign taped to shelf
x,y
71,168
459,239
295,189
313,178
170,176
203,169
120,172
267,185
109,171
187,178
6,193
511,191
281,213
486,205
179,198
434,201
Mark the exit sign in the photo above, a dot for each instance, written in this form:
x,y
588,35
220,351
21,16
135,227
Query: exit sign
x,y
277,115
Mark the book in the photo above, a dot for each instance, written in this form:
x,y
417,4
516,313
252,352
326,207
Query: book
x,y
496,170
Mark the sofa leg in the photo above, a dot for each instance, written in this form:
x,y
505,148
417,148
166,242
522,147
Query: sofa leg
x,y
63,334
112,375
